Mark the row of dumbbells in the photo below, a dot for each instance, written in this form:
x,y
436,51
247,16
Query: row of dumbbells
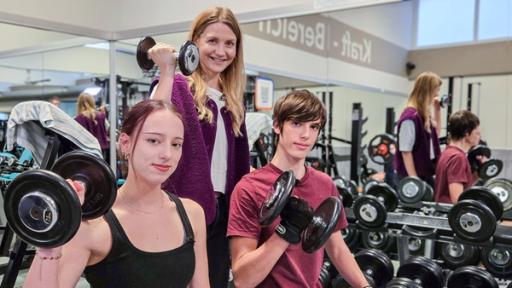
x,y
450,255
473,218
415,272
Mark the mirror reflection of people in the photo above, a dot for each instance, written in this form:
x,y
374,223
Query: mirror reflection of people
x,y
211,99
94,121
418,146
453,171
150,238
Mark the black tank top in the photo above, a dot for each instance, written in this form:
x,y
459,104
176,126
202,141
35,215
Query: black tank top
x,y
128,267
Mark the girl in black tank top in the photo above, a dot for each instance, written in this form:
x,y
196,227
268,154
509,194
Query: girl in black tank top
x,y
127,266
151,140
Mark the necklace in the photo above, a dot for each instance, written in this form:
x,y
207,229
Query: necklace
x,y
141,210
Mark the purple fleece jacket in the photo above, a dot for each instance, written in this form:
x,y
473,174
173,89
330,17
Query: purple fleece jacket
x,y
192,176
421,149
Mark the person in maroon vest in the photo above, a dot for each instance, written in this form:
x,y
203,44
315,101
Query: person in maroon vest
x,y
453,171
216,154
92,120
418,145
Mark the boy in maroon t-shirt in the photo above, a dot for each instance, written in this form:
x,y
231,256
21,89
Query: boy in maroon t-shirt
x,y
272,256
453,172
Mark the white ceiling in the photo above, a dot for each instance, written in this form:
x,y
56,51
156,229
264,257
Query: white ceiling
x,y
113,20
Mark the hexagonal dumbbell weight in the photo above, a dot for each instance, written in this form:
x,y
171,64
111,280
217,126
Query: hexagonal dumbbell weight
x,y
43,209
473,218
187,58
371,209
412,190
323,222
488,169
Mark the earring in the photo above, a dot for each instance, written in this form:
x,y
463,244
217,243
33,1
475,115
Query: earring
x,y
126,156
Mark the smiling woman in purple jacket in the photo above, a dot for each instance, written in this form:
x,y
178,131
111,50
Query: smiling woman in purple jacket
x,y
215,151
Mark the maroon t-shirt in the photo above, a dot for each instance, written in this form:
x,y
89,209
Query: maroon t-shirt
x,y
295,268
452,167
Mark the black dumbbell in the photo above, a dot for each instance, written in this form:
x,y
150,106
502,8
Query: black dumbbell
x,y
443,101
488,169
347,190
424,271
323,222
187,58
378,240
369,183
382,148
498,261
371,209
471,276
375,265
366,173
401,282
327,273
473,218
351,237
502,188
413,190
456,255
43,209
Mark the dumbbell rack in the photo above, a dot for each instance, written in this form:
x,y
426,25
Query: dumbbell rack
x,y
19,251
440,224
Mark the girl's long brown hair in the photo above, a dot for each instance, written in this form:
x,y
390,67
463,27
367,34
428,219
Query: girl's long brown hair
x,y
422,95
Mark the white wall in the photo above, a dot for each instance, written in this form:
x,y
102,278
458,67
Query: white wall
x,y
393,22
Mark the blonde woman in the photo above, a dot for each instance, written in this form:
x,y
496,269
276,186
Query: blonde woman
x,y
418,144
211,101
93,120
